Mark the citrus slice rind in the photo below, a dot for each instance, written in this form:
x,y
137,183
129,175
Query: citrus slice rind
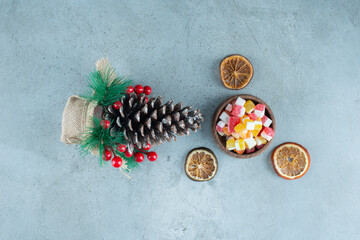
x,y
236,72
201,164
290,160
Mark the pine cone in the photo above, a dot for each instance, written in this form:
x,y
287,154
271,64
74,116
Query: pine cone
x,y
151,122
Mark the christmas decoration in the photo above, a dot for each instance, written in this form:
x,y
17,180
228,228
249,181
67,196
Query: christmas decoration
x,y
118,122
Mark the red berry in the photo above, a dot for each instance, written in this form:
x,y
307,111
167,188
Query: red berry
x,y
107,155
128,154
146,99
147,90
121,148
147,147
139,89
152,156
117,105
130,89
105,124
139,157
116,162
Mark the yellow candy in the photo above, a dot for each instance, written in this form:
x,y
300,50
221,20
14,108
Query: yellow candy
x,y
260,140
230,144
236,135
258,124
255,132
249,106
240,128
240,144
246,121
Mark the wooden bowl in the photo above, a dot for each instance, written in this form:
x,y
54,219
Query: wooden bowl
x,y
221,140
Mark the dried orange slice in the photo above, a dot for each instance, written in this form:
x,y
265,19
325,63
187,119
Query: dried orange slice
x,y
290,160
236,72
201,164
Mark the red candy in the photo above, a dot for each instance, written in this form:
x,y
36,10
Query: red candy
x,y
236,110
252,116
233,121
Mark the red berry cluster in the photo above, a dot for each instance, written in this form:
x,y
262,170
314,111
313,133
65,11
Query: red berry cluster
x,y
139,89
138,156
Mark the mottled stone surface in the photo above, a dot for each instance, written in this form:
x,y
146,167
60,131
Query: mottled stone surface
x,y
306,67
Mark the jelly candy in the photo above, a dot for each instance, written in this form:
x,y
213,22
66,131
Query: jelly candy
x,y
260,142
240,128
233,121
229,107
255,132
253,116
240,144
246,134
240,102
249,106
220,126
250,142
230,144
238,111
225,117
260,110
266,121
268,133
226,131
249,124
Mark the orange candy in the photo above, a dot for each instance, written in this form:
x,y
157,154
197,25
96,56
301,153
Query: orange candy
x,y
226,131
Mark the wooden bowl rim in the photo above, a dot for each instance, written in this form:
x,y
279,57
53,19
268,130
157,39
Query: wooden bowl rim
x,y
217,137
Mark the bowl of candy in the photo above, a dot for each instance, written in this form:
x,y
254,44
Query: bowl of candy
x,y
243,126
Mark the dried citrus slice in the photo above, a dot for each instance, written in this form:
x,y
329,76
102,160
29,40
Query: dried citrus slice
x,y
201,164
290,160
236,72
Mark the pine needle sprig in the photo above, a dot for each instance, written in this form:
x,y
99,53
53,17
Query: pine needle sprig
x,y
99,138
106,87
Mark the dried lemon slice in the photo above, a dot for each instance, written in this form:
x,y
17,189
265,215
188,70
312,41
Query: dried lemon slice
x,y
236,72
290,160
201,164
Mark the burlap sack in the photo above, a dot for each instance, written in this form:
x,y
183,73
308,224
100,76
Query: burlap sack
x,y
77,117
78,112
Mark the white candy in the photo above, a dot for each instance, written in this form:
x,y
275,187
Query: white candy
x,y
264,135
240,101
237,145
259,113
250,125
221,133
242,112
221,124
225,117
250,142
267,122
229,107
258,123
